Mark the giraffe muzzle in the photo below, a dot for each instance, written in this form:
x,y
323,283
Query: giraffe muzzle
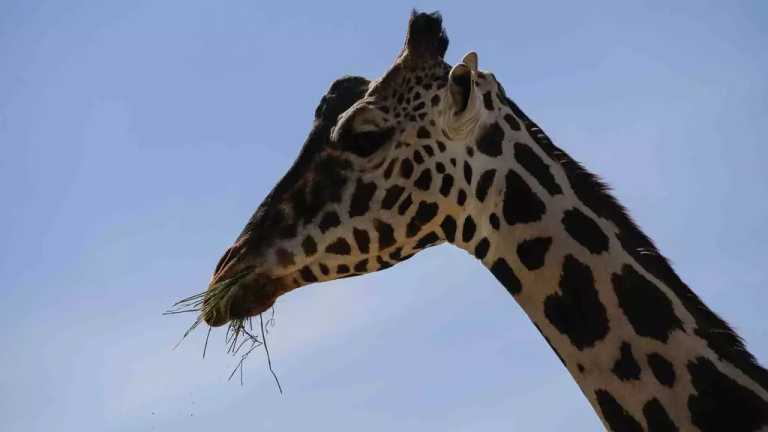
x,y
239,298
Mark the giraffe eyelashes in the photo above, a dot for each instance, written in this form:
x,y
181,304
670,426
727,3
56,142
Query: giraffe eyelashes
x,y
365,143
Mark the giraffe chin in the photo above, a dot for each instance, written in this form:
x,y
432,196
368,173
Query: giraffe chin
x,y
246,299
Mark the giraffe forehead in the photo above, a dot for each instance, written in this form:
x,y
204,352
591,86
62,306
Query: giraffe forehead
x,y
406,91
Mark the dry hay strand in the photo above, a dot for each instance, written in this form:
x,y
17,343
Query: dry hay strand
x,y
240,338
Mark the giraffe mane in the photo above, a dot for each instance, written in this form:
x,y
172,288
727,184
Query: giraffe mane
x,y
595,193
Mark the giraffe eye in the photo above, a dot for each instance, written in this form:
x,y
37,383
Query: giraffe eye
x,y
365,143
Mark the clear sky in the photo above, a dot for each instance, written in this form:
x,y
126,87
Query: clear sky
x,y
137,137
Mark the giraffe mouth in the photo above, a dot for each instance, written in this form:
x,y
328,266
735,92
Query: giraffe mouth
x,y
237,298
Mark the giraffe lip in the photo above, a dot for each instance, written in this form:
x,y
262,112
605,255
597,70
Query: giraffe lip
x,y
248,297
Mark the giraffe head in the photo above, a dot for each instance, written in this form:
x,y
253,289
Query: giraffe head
x,y
377,177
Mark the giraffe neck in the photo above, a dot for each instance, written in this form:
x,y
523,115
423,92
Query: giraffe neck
x,y
646,352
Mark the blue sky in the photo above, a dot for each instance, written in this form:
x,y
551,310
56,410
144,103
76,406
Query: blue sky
x,y
138,137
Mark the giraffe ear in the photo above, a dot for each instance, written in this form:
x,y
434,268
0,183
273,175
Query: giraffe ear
x,y
470,59
461,88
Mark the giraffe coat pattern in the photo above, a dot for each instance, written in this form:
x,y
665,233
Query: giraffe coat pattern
x,y
432,153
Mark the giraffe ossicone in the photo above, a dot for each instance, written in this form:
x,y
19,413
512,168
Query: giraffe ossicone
x,y
431,153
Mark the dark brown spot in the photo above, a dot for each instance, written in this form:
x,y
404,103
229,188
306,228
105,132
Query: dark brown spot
x,y
481,250
488,100
585,231
615,415
722,404
329,220
446,185
427,240
425,212
324,269
339,247
533,252
521,204
386,234
626,368
490,140
307,274
404,205
484,183
361,266
406,168
417,157
657,417
448,226
512,122
637,295
576,311
361,198
362,239
504,274
537,168
493,219
390,168
468,229
392,196
424,181
467,173
309,246
662,369
461,197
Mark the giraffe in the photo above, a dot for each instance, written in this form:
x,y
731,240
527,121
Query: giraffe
x,y
432,153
